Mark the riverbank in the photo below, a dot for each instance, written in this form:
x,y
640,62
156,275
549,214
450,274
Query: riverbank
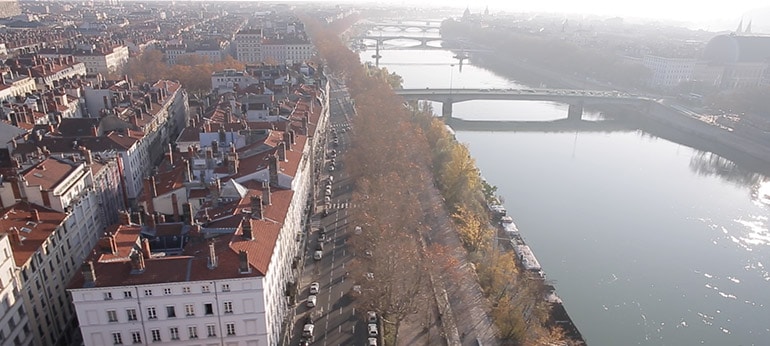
x,y
740,146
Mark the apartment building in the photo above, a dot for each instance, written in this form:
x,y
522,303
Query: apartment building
x,y
248,45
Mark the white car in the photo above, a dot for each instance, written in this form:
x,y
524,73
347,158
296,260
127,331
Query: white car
x,y
314,288
372,329
357,230
311,300
372,342
318,255
371,317
307,331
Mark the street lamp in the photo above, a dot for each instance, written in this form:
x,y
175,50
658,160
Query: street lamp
x,y
451,73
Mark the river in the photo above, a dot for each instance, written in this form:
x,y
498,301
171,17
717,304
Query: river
x,y
647,241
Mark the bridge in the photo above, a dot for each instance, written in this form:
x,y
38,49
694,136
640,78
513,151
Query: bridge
x,y
576,99
411,25
382,39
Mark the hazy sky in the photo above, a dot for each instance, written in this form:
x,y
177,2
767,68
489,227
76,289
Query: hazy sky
x,y
684,10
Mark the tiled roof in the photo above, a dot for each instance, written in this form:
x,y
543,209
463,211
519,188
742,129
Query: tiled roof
x,y
20,217
192,265
48,173
170,181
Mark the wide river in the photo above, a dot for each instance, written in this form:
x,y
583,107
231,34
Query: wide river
x,y
647,241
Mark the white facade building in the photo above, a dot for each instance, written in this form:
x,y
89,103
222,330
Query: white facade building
x,y
667,73
14,319
248,46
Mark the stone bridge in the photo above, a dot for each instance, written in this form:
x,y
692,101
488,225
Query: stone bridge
x,y
576,99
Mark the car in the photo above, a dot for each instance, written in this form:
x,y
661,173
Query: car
x,y
318,255
369,276
331,168
371,317
311,300
372,328
372,342
304,342
357,230
307,330
322,237
357,290
315,287
328,192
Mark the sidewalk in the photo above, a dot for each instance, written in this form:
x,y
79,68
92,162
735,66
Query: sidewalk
x,y
465,297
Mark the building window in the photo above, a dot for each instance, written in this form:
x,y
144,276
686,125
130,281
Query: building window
x,y
131,313
170,311
174,331
166,291
155,334
205,289
112,316
226,288
136,337
107,295
117,339
147,292
209,308
193,331
211,330
230,328
228,307
186,290
151,313
189,310
127,294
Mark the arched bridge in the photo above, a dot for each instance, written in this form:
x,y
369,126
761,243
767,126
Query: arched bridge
x,y
576,99
381,39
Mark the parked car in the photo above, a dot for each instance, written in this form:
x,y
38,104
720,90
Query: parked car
x,y
322,237
372,328
315,287
317,255
311,300
371,317
372,342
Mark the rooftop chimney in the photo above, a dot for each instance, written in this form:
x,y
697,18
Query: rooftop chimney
x,y
137,263
15,237
256,207
273,168
146,251
282,151
266,193
35,215
170,154
86,153
108,244
287,139
246,225
89,274
212,260
243,262
293,137
124,218
175,207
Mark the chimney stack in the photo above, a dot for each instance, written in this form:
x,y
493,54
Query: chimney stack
x,y
256,207
15,237
170,154
243,262
282,151
146,251
86,153
124,218
273,168
150,220
188,171
35,215
108,245
89,274
266,193
175,206
288,140
246,225
212,261
137,262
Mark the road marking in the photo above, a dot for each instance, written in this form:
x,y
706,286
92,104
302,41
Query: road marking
x,y
340,311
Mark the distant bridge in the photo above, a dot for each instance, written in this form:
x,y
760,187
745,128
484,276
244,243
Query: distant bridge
x,y
576,99
412,25
382,39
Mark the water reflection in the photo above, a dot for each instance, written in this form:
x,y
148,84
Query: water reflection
x,y
709,164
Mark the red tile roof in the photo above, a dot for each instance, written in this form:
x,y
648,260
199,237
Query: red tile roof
x,y
48,173
20,217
